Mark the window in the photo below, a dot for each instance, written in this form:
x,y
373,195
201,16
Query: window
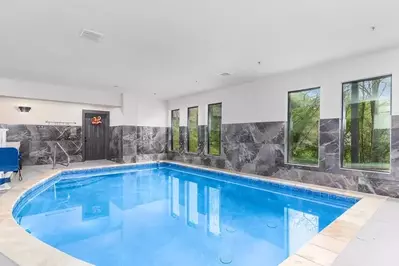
x,y
303,126
366,123
214,128
192,129
175,130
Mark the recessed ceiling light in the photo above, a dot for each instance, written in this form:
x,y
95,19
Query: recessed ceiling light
x,y
225,74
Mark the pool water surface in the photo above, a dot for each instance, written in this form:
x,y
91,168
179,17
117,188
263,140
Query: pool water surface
x,y
170,215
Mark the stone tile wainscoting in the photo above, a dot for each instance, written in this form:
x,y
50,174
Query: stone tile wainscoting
x,y
37,142
126,144
259,148
130,144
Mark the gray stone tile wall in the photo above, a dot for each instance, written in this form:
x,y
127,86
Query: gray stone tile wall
x,y
259,148
37,142
130,144
127,144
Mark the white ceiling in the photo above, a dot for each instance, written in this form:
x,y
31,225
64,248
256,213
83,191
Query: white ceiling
x,y
178,47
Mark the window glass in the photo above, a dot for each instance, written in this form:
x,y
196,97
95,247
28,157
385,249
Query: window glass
x,y
303,126
193,129
214,128
366,124
175,130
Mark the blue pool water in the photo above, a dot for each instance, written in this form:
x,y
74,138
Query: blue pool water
x,y
170,215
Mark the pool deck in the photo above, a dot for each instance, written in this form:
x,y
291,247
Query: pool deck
x,y
376,242
363,235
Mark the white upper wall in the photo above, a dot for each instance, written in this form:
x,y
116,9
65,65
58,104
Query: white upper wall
x,y
44,91
60,103
152,113
266,99
135,111
43,111
144,110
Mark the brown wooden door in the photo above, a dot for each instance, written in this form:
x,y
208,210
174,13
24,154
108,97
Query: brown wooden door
x,y
95,135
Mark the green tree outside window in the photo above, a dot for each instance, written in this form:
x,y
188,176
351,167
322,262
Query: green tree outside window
x,y
366,123
303,126
193,129
214,128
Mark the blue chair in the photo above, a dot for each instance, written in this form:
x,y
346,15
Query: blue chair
x,y
10,161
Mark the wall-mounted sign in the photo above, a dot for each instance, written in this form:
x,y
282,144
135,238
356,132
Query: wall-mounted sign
x,y
96,120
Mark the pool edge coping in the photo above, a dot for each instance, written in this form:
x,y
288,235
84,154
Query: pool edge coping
x,y
322,249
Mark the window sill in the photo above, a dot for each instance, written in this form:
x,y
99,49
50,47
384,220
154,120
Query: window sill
x,y
186,152
198,154
366,171
312,166
212,155
192,153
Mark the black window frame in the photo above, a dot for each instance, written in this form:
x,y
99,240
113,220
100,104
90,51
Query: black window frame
x,y
171,128
288,129
342,126
188,128
209,128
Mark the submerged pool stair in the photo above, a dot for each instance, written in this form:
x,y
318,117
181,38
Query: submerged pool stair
x,y
68,159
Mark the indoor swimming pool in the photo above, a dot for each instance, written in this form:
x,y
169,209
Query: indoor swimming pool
x,y
160,214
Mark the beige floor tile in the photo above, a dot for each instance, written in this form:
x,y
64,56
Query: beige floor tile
x,y
317,254
369,204
341,230
329,243
355,216
296,260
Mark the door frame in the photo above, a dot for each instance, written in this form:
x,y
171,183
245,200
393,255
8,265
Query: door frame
x,y
107,113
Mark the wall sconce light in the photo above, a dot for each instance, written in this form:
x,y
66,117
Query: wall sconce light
x,y
24,109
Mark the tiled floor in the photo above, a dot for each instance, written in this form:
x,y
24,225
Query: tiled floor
x,y
4,261
373,245
377,241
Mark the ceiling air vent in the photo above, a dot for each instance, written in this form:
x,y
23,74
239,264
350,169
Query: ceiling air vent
x,y
91,35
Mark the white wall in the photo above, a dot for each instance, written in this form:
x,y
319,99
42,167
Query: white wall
x,y
144,110
152,112
44,91
62,103
266,99
48,110
135,111
129,110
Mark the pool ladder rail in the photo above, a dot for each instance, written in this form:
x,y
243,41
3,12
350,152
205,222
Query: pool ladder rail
x,y
58,145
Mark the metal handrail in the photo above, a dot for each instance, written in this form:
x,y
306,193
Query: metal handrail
x,y
55,154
